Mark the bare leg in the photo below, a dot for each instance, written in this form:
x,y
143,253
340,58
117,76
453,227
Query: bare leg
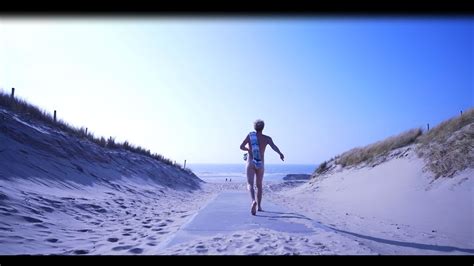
x,y
250,187
259,173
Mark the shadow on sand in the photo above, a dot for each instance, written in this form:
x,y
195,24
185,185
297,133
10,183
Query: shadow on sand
x,y
276,215
407,244
285,215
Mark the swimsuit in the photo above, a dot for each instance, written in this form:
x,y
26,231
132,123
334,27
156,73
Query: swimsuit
x,y
257,160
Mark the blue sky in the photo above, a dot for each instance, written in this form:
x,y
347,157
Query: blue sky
x,y
191,88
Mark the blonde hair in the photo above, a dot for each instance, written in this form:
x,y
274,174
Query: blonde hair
x,y
259,125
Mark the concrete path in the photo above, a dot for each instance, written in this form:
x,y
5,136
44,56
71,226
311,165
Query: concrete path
x,y
230,211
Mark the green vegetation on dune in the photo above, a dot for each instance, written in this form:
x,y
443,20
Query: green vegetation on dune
x,y
446,148
25,109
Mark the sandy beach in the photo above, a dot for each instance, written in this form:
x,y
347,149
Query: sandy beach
x,y
64,195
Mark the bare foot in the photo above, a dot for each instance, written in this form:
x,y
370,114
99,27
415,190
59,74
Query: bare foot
x,y
254,208
260,209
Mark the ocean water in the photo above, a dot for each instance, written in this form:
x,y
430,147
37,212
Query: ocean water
x,y
217,173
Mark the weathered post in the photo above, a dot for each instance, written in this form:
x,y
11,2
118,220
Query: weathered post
x,y
54,115
428,126
13,93
184,164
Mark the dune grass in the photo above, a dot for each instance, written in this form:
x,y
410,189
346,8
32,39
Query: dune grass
x,y
20,106
446,148
445,129
449,147
380,148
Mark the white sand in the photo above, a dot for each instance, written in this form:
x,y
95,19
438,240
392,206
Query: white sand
x,y
64,195
60,195
395,207
100,220
271,242
264,241
46,219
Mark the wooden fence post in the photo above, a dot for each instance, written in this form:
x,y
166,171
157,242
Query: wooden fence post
x,y
54,115
13,93
428,126
184,164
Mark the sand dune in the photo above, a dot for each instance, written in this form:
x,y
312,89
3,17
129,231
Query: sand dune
x,y
64,195
395,207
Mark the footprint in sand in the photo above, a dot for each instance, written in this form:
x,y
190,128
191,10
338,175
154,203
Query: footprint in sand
x,y
136,250
120,248
52,240
112,239
3,196
6,209
201,248
81,252
31,219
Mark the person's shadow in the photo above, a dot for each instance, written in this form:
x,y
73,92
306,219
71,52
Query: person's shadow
x,y
407,244
285,215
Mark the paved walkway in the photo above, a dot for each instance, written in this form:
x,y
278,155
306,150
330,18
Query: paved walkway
x,y
230,211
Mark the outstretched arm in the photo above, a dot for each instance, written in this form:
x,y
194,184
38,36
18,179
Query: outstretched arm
x,y
242,146
275,148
